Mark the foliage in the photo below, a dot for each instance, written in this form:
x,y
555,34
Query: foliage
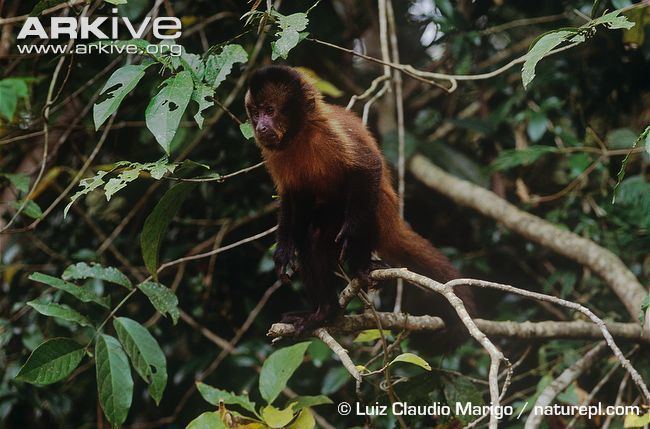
x,y
151,150
276,372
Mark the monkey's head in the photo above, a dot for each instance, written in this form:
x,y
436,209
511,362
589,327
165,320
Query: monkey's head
x,y
278,102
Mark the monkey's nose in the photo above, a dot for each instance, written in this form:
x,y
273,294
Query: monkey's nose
x,y
263,129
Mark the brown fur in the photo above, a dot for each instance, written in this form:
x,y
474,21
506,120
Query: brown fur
x,y
327,143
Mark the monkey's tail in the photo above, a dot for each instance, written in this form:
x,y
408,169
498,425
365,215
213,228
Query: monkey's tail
x,y
403,247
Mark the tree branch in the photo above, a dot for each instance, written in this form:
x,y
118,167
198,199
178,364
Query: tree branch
x,y
603,262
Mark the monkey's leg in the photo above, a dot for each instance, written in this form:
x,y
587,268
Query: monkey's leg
x,y
318,257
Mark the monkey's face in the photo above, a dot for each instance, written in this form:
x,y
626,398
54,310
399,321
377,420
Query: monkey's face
x,y
268,117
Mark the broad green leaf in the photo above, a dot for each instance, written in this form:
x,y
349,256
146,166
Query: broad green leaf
x,y
276,418
165,111
511,158
11,89
207,420
20,181
461,390
146,355
335,378
78,292
305,420
155,226
162,298
203,96
219,66
278,369
87,185
60,311
114,382
121,82
634,421
412,359
214,396
322,85
540,49
370,335
82,271
52,361
621,138
246,129
300,402
289,34
31,209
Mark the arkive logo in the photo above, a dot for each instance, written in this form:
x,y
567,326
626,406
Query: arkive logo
x,y
100,28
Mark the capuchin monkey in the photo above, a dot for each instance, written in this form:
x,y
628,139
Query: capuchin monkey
x,y
337,202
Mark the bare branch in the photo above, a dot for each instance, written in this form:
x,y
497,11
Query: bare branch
x,y
602,261
567,377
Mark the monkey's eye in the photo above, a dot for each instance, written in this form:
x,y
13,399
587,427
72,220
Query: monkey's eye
x,y
254,113
269,110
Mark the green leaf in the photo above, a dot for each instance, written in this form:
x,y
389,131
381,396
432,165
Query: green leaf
x,y
412,359
82,294
621,138
82,271
207,420
146,355
370,335
87,185
214,396
461,390
300,402
537,126
612,20
246,129
276,418
60,311
116,1
121,82
644,136
31,209
335,378
52,361
125,177
278,369
203,96
218,67
305,420
162,298
20,181
540,49
11,89
515,157
165,111
157,222
289,34
114,382
634,421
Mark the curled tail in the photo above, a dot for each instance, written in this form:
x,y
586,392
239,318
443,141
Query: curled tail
x,y
403,247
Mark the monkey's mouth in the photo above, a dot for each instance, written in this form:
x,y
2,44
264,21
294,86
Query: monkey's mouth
x,y
269,140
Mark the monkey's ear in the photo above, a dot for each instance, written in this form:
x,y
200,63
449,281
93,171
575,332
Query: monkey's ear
x,y
310,103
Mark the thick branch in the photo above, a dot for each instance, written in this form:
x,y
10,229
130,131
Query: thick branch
x,y
606,264
576,330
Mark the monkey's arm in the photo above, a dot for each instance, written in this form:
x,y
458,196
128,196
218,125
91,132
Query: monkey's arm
x,y
292,226
359,231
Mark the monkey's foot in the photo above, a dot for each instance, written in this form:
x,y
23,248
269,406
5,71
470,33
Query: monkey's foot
x,y
304,321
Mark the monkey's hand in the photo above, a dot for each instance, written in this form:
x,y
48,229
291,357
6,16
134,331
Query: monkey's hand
x,y
283,259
